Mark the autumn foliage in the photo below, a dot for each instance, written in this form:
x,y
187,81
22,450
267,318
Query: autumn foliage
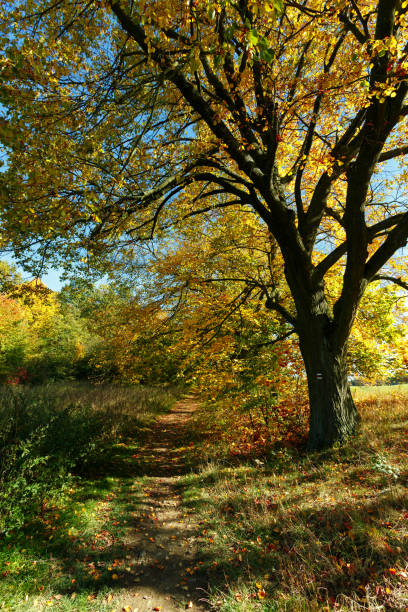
x,y
131,128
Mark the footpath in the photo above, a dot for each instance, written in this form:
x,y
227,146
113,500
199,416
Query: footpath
x,y
161,543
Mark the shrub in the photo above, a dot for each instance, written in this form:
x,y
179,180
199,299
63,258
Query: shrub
x,y
50,434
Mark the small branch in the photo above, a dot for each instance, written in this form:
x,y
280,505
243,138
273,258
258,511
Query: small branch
x,y
244,352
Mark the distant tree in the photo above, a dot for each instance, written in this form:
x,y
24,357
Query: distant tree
x,y
9,277
14,340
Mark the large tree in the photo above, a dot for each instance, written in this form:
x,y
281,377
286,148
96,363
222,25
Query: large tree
x,y
127,118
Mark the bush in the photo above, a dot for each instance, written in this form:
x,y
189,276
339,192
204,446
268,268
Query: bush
x,y
50,434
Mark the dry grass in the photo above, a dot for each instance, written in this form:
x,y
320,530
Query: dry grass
x,y
379,391
327,531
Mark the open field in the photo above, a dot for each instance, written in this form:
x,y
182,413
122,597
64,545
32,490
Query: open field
x,y
380,391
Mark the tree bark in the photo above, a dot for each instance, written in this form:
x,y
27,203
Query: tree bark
x,y
333,414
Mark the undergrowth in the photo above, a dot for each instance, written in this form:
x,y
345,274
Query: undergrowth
x,y
50,435
279,529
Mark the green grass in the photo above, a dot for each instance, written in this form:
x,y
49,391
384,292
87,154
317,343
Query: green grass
x,y
68,553
72,557
290,531
278,529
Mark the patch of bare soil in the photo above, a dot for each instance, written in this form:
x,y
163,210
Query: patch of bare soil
x,y
161,545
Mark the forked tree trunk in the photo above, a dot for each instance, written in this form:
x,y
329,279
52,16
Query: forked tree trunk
x,y
333,414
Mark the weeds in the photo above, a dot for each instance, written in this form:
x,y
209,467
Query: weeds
x,y
50,434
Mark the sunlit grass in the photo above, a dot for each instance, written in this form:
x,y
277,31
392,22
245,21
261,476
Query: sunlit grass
x,y
72,557
372,391
294,531
69,554
278,529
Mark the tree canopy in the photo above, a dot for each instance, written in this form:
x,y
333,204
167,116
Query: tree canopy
x,y
125,121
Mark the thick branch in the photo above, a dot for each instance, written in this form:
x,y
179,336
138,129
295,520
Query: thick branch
x,y
403,150
190,92
351,27
273,304
397,281
395,240
332,258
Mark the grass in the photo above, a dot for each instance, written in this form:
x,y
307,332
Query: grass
x,y
278,529
68,554
71,558
379,391
284,530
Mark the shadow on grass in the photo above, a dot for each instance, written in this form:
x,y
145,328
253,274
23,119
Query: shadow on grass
x,y
314,528
82,560
84,553
299,545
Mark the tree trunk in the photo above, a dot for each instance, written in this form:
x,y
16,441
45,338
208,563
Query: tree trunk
x,y
333,414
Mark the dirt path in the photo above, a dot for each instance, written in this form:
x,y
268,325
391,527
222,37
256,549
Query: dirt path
x,y
160,544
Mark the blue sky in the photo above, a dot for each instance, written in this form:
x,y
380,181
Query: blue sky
x,y
51,279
